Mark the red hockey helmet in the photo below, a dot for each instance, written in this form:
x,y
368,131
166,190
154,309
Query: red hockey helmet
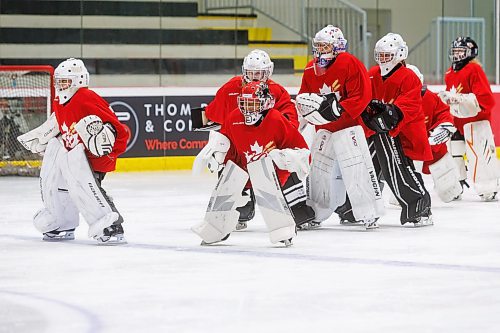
x,y
254,99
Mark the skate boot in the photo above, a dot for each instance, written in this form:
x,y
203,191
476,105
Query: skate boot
x,y
487,197
303,215
247,212
59,235
203,243
113,235
287,242
370,224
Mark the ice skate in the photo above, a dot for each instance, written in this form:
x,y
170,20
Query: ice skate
x,y
311,225
488,197
113,235
422,221
203,243
59,235
370,224
287,242
241,225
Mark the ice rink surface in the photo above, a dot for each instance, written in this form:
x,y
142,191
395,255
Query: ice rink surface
x,y
444,278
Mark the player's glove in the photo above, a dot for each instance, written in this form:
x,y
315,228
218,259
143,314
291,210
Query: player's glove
x,y
317,109
441,133
292,160
98,137
381,117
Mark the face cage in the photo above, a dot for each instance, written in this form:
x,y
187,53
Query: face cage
x,y
59,86
256,75
458,54
384,57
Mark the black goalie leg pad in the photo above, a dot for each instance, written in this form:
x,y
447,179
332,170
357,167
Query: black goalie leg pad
x,y
295,196
247,212
399,173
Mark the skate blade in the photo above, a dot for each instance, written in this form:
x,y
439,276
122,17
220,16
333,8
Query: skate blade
x,y
371,226
426,222
111,241
59,238
241,226
287,242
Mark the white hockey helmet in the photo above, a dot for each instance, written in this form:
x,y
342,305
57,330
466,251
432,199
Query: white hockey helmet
x,y
416,71
69,76
257,66
390,50
254,99
326,45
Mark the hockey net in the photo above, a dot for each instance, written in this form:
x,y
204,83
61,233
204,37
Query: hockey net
x,y
26,94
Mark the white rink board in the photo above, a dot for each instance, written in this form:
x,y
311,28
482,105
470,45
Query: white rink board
x,y
444,278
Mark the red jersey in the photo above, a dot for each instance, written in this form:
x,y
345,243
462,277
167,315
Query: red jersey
x,y
83,103
436,112
226,100
403,89
348,79
250,142
471,79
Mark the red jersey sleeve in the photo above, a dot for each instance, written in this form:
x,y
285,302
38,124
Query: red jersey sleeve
x,y
481,88
408,101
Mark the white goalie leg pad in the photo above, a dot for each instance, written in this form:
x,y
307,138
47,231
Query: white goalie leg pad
x,y
85,192
457,151
271,201
446,178
325,186
59,213
221,216
358,172
481,154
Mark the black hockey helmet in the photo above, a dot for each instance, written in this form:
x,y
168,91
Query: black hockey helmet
x,y
462,50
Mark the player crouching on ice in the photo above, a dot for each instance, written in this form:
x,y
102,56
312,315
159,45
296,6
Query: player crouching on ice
x,y
253,137
80,142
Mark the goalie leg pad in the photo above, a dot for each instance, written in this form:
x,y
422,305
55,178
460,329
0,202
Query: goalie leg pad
x,y
85,191
221,216
358,173
60,213
446,178
481,154
406,184
325,186
271,201
456,147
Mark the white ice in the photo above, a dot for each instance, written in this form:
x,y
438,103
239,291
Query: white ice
x,y
444,278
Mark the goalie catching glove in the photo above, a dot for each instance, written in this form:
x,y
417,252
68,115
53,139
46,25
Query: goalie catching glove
x,y
381,117
292,160
441,133
98,137
37,139
317,109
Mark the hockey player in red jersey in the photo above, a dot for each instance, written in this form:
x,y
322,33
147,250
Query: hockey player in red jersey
x,y
256,130
257,66
439,124
81,142
471,102
335,90
398,127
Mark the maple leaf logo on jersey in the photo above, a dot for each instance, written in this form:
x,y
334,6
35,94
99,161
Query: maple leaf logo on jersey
x,y
325,90
257,151
69,135
457,89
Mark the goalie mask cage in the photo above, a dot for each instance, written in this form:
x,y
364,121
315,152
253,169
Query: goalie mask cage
x,y
26,94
